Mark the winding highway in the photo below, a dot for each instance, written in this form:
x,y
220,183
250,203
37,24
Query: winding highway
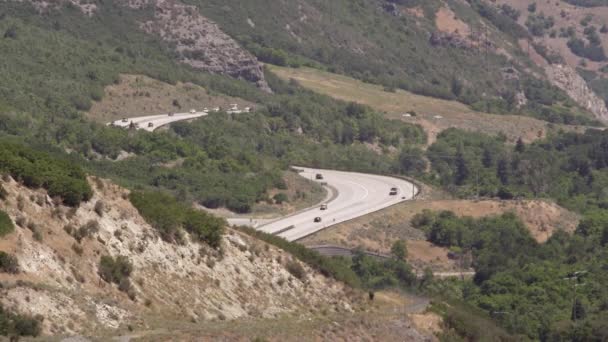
x,y
357,194
354,194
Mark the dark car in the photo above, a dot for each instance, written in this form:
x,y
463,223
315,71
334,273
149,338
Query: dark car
x,y
319,176
150,124
317,219
323,206
393,192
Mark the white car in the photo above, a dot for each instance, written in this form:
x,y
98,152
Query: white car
x,y
192,111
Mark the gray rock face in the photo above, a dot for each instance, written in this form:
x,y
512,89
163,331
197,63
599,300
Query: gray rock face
x,y
567,79
200,42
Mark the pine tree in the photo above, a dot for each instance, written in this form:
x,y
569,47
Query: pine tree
x,y
578,310
462,169
520,147
502,171
488,158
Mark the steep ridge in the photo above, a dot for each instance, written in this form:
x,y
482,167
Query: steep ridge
x,y
200,42
567,79
59,278
197,41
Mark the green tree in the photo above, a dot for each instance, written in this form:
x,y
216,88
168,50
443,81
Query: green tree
x,y
399,250
578,310
502,171
462,169
520,147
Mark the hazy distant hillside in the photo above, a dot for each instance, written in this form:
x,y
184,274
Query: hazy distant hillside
x,y
465,50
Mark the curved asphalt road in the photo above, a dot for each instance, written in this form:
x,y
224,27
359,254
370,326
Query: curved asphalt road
x,y
157,120
358,194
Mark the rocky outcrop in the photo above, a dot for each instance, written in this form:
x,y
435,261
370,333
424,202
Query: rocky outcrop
x,y
200,42
190,281
567,79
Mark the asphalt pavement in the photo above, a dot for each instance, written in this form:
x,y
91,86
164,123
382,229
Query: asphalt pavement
x,y
152,122
358,194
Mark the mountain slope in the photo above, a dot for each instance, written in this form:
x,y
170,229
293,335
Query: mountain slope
x,y
59,277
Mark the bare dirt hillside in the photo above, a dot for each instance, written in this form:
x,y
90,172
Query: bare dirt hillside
x,y
173,287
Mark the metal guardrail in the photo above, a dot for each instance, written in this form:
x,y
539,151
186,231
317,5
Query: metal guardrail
x,y
331,250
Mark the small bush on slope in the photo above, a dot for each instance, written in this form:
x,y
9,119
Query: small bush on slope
x,y
6,225
169,216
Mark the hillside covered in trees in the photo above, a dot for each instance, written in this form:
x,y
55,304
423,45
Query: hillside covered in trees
x,y
56,62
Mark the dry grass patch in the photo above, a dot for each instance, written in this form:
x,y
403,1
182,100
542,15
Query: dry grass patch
x,y
396,104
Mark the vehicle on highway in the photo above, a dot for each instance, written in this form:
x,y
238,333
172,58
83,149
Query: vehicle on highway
x,y
192,111
319,176
125,120
393,192
323,206
317,219
150,124
171,114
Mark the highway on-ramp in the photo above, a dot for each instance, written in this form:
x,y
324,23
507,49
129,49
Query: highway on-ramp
x,y
357,194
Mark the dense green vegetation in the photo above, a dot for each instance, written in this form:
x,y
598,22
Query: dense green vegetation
x,y
169,217
432,69
227,163
36,169
334,40
360,271
571,168
528,287
17,326
504,18
461,322
6,224
537,24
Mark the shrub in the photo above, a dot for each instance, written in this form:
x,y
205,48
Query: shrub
x,y
17,325
115,270
399,250
280,198
3,193
6,225
77,249
8,263
168,216
37,169
86,230
99,208
37,235
296,269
